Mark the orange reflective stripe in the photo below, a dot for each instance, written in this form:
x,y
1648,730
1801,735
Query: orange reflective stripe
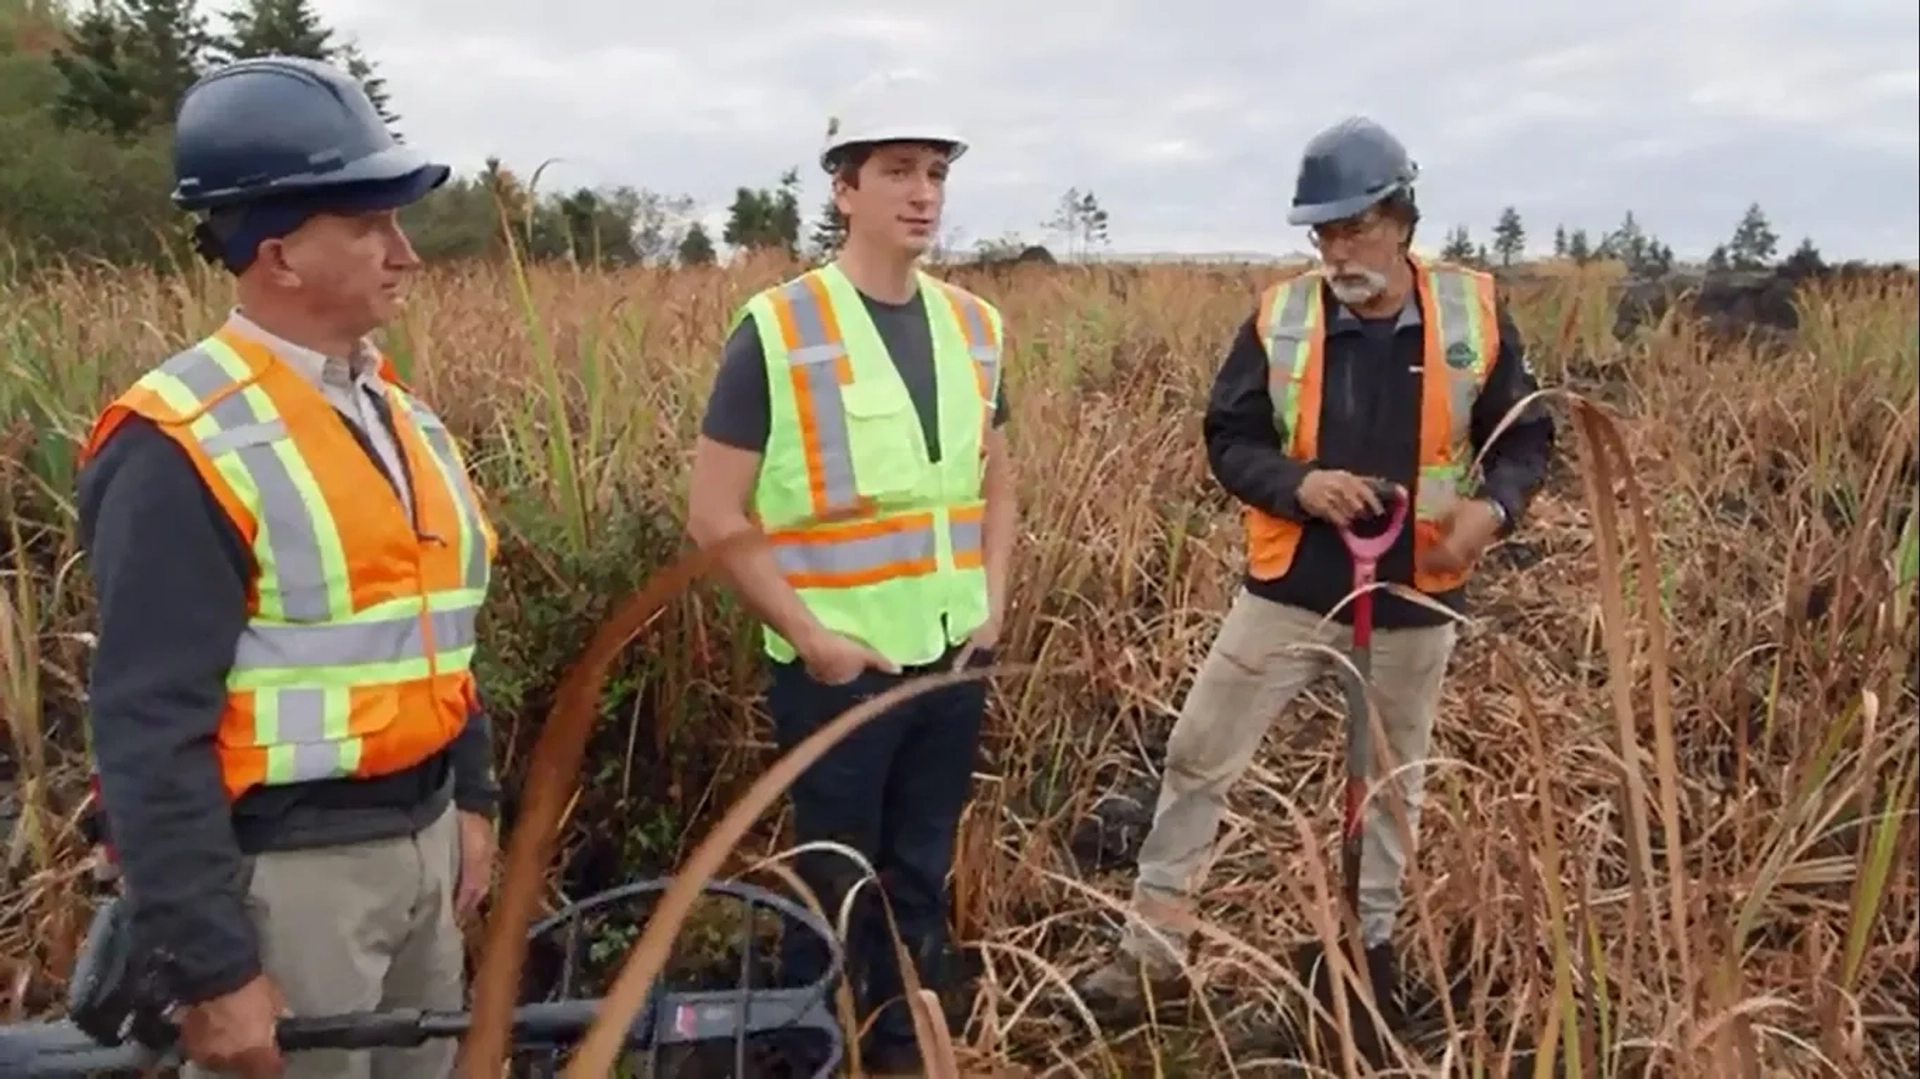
x,y
1435,405
818,366
966,527
1294,325
858,552
982,345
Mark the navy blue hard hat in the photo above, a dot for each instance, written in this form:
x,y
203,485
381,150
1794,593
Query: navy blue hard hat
x,y
1348,168
275,126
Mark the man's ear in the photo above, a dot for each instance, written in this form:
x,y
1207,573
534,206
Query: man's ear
x,y
279,262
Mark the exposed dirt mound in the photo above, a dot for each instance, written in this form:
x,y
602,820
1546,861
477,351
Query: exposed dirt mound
x,y
1732,304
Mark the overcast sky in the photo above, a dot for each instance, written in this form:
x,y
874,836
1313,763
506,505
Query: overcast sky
x,y
1186,117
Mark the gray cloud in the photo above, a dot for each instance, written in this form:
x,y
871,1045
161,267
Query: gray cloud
x,y
1187,118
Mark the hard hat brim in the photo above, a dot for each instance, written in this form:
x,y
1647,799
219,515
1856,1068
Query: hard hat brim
x,y
1320,213
382,170
956,145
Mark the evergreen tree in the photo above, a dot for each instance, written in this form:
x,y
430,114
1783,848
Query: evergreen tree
x,y
167,49
1509,236
277,27
356,64
96,91
1754,241
829,232
1579,248
696,248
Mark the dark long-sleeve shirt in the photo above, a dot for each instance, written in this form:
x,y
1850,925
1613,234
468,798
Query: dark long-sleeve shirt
x,y
171,573
1370,426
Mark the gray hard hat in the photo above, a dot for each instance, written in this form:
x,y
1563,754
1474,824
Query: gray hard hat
x,y
1347,168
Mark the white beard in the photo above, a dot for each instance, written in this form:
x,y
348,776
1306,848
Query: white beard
x,y
1356,285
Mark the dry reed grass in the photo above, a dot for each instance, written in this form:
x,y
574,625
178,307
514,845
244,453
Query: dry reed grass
x,y
1674,806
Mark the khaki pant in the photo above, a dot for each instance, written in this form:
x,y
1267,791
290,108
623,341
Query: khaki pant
x,y
1248,678
363,927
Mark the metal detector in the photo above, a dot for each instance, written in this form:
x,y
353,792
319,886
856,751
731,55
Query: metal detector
x,y
116,1024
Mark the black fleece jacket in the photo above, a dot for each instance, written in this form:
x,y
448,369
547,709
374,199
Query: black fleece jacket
x,y
1369,425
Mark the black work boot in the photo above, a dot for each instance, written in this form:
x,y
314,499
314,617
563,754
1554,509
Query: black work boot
x,y
1382,972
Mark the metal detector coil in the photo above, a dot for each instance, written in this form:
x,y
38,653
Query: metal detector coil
x,y
124,1033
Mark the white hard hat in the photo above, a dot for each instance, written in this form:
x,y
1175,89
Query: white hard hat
x,y
892,106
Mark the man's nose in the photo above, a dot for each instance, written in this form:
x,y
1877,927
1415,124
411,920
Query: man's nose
x,y
400,251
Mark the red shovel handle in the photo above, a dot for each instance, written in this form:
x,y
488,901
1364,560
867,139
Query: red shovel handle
x,y
1369,549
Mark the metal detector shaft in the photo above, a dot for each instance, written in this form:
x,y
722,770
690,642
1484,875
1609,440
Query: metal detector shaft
x,y
64,1050
1366,552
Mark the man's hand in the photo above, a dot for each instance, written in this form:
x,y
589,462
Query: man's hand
x,y
477,848
835,659
988,635
234,1034
1339,497
1466,530
984,639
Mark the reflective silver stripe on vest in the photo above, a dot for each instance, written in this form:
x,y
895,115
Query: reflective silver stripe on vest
x,y
1456,297
301,749
907,552
1288,347
981,345
967,535
816,358
435,434
1456,307
284,519
342,644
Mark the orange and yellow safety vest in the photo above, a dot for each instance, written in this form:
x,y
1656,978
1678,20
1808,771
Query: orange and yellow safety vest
x,y
357,655
1460,320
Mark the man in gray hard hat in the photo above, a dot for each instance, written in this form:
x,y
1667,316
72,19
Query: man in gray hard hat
x,y
1375,365
289,559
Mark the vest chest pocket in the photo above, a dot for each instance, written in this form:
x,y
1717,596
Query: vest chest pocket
x,y
881,428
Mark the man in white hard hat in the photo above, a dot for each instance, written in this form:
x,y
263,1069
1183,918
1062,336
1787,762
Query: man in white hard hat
x,y
857,415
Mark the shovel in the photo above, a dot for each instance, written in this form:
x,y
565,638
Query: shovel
x,y
1366,552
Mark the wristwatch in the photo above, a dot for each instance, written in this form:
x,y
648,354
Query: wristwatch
x,y
1499,513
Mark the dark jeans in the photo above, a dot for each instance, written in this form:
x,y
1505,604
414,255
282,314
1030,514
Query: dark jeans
x,y
892,790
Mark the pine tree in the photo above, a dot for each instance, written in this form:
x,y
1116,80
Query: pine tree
x,y
277,27
166,49
1754,242
696,248
1509,236
829,232
96,91
356,64
1578,247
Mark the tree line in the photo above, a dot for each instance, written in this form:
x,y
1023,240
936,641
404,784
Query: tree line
x,y
1753,246
87,101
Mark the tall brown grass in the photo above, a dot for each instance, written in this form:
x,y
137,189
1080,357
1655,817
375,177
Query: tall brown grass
x,y
1673,816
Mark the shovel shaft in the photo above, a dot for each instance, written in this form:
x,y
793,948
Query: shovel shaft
x,y
1359,744
1366,552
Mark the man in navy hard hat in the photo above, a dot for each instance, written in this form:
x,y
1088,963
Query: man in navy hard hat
x,y
288,557
1375,365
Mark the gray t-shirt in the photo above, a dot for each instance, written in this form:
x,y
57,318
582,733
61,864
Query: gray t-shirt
x,y
739,412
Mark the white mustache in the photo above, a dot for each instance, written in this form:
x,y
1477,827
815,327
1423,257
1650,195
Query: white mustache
x,y
1356,284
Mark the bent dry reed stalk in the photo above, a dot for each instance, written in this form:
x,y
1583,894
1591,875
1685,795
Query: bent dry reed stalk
x,y
1673,782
